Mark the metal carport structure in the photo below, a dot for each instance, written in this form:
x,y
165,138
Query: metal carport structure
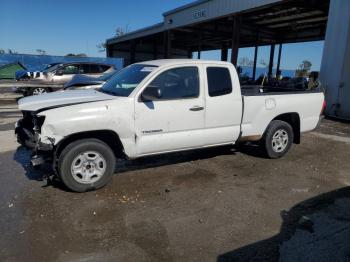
x,y
232,24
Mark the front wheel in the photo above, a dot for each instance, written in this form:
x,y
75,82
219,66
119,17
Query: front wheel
x,y
38,91
278,139
86,165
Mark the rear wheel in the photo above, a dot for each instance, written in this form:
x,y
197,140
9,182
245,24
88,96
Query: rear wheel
x,y
278,139
38,91
86,164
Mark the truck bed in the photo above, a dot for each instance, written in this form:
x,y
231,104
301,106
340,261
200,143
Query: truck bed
x,y
260,108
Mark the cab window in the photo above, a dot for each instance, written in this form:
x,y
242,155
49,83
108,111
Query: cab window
x,y
219,81
176,83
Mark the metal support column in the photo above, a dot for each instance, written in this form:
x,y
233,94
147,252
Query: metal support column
x,y
132,51
155,49
167,44
235,39
199,46
255,61
224,53
279,58
189,53
272,55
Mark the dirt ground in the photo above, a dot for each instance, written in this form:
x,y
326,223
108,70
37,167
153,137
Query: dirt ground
x,y
220,204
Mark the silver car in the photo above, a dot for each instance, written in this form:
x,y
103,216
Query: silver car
x,y
54,78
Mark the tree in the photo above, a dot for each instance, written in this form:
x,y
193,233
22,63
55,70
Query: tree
x,y
77,55
101,47
2,52
119,31
304,68
41,52
245,61
263,63
305,65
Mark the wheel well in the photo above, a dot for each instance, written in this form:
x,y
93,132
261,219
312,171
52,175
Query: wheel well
x,y
107,136
294,120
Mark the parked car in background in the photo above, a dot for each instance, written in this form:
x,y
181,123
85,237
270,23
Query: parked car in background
x,y
54,77
157,107
28,74
80,82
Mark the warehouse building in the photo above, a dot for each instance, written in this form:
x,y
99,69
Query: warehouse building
x,y
232,24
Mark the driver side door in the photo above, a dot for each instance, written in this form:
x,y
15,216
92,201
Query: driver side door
x,y
175,120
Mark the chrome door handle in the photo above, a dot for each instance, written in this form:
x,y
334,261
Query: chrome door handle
x,y
197,108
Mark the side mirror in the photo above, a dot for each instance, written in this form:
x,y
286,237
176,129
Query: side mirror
x,y
59,72
151,93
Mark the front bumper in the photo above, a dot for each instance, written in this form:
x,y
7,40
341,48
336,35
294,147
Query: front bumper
x,y
41,152
29,139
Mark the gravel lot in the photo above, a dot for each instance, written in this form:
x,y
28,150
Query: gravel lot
x,y
220,204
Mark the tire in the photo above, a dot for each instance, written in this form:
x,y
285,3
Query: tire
x,y
86,164
277,139
38,91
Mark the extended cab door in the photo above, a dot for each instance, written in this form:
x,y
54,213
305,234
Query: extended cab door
x,y
175,120
223,104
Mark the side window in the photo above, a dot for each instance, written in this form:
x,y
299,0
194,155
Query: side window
x,y
71,69
182,82
95,69
84,69
219,81
104,68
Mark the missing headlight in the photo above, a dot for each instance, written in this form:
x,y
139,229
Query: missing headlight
x,y
38,121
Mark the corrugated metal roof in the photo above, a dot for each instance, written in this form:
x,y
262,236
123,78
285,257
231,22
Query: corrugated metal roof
x,y
183,15
198,2
141,32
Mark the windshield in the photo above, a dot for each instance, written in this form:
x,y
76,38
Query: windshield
x,y
126,80
52,68
106,76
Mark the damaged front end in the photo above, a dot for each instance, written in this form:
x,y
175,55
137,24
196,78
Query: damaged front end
x,y
28,132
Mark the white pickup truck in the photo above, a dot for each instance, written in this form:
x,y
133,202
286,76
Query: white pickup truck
x,y
157,107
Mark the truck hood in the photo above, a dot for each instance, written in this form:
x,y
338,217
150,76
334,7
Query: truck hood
x,y
58,99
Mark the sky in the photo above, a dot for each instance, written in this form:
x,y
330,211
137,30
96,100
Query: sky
x,y
77,26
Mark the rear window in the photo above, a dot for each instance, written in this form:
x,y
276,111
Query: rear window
x,y
219,81
93,68
96,69
104,67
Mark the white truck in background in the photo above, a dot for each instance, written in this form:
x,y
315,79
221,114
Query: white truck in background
x,y
157,107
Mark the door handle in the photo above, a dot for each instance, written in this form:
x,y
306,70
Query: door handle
x,y
197,108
